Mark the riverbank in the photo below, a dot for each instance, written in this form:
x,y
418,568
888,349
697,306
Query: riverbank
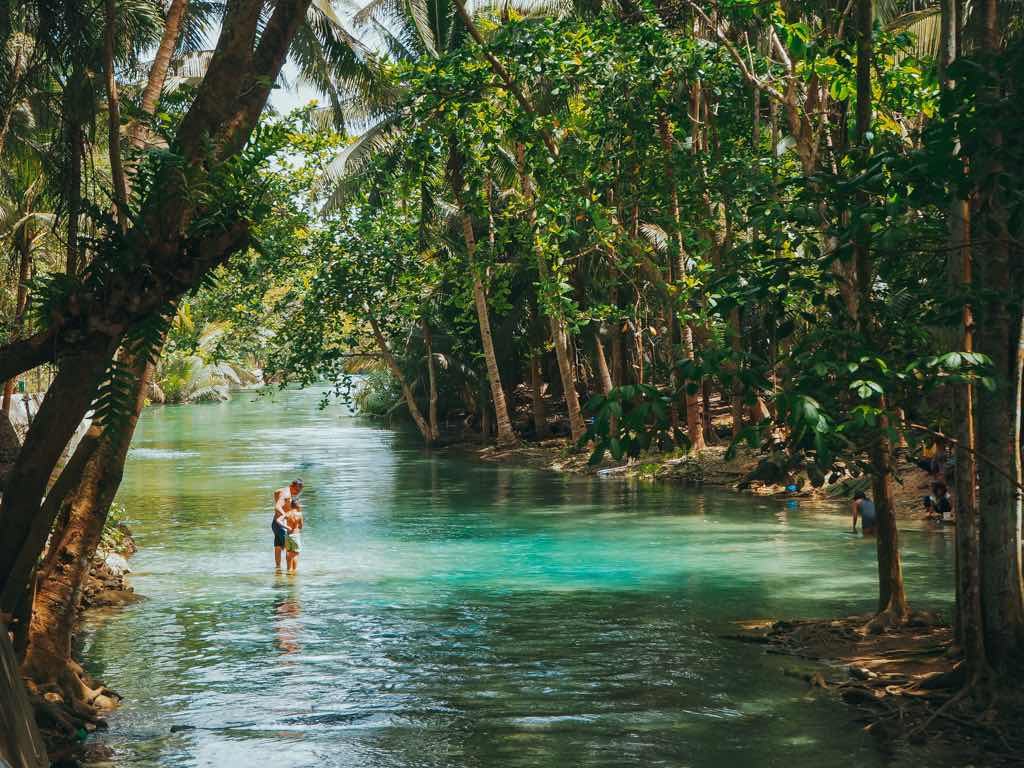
x,y
64,725
902,685
747,471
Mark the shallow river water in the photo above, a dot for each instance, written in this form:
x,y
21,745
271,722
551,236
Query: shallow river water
x,y
458,614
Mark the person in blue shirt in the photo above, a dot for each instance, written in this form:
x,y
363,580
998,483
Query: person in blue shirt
x,y
864,508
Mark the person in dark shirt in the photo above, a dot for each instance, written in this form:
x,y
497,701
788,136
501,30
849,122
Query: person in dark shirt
x,y
864,508
939,504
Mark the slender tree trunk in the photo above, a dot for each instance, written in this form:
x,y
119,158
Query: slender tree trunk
x,y
410,397
540,418
506,436
556,319
435,432
119,182
158,71
76,148
892,599
24,244
603,372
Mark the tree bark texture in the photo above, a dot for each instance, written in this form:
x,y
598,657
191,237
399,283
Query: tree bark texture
x,y
64,570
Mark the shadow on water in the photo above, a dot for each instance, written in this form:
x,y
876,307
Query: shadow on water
x,y
452,613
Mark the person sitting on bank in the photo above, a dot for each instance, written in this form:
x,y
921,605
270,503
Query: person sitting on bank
x,y
282,501
864,508
939,504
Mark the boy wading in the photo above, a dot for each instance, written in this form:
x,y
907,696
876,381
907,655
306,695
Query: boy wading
x,y
282,505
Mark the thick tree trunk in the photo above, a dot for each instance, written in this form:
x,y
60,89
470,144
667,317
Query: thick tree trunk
x,y
997,335
968,621
65,569
24,244
65,405
428,342
407,393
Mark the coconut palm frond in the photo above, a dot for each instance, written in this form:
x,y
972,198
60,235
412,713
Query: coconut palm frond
x,y
655,235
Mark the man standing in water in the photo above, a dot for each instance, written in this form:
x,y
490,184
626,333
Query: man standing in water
x,y
864,508
282,503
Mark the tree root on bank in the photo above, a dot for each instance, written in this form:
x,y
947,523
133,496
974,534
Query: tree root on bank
x,y
904,682
67,702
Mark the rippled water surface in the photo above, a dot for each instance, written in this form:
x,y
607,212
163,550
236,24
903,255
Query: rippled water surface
x,y
452,613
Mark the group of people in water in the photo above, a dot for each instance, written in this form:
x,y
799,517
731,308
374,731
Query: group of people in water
x,y
936,462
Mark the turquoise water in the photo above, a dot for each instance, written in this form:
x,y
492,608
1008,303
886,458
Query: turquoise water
x,y
458,614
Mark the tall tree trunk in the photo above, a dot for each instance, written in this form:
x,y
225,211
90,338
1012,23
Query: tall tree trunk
x,y
76,148
968,620
407,393
428,342
556,319
997,335
158,71
119,183
64,570
506,436
24,245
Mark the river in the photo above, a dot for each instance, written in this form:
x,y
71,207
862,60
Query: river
x,y
459,614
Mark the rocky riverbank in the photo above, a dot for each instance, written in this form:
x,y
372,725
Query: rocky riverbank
x,y
63,725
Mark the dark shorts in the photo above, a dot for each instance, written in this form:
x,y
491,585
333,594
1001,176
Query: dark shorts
x,y
280,533
868,524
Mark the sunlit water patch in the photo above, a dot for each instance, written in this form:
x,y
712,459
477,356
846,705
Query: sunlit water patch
x,y
457,614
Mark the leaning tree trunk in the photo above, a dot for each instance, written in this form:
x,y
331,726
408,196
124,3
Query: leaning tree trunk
x,y
407,393
65,405
21,301
73,545
158,71
21,746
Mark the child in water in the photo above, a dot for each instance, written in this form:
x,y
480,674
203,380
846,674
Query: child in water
x,y
293,541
